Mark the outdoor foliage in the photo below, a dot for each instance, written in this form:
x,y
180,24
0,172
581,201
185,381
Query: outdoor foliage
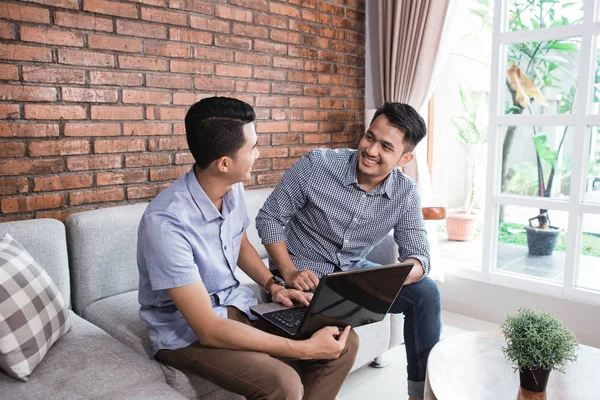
x,y
537,340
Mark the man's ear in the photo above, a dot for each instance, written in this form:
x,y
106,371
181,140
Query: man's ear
x,y
223,163
406,158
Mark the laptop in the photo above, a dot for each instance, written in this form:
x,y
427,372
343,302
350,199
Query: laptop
x,y
354,298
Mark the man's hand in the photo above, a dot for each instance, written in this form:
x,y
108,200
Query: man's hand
x,y
286,296
302,280
326,343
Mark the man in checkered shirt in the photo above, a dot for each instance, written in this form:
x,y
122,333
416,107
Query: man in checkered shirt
x,y
333,206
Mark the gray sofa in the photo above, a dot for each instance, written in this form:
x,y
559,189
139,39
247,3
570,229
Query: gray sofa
x,y
103,283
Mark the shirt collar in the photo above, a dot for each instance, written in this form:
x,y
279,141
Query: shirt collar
x,y
386,187
206,206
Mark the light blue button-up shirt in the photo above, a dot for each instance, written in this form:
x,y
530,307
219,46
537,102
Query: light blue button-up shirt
x,y
182,239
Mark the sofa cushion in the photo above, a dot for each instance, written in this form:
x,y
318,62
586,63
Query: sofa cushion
x,y
33,313
86,363
45,240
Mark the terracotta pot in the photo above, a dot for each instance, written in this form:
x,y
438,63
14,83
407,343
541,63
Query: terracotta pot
x,y
461,226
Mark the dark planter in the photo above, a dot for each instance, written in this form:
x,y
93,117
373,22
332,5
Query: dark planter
x,y
541,242
534,380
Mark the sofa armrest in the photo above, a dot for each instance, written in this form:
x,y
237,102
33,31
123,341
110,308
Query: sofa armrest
x,y
385,252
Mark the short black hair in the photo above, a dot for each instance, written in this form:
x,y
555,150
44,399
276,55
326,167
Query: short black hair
x,y
405,118
214,128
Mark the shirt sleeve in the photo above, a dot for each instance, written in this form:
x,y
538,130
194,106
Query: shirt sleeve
x,y
287,198
167,253
410,233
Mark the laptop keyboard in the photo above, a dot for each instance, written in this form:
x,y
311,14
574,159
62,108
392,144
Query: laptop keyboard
x,y
289,318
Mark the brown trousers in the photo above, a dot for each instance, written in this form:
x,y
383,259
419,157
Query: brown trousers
x,y
260,376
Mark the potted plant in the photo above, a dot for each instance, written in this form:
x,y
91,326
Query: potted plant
x,y
537,343
471,133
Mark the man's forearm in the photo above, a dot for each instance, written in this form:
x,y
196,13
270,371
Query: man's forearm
x,y
416,272
281,257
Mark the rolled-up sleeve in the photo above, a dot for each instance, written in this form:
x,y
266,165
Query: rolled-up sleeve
x,y
410,233
287,198
168,254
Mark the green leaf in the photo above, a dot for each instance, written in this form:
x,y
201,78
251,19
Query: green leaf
x,y
543,151
562,46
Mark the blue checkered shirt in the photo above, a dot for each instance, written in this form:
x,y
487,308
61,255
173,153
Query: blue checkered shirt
x,y
328,220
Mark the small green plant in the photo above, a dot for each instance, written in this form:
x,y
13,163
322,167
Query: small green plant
x,y
537,340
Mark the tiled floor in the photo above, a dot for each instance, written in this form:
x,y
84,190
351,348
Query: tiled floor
x,y
390,382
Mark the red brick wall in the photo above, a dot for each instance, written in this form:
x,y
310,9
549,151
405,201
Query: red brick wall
x,y
93,92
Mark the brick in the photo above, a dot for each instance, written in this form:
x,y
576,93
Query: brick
x,y
325,79
191,5
213,84
285,88
354,37
263,140
166,113
169,81
87,163
301,150
116,112
330,56
270,47
51,36
87,58
191,67
250,31
344,138
282,9
310,138
119,146
247,98
120,177
115,78
190,36
86,129
206,53
285,36
332,9
269,74
12,149
130,45
72,4
302,52
264,127
262,113
344,116
118,9
146,129
143,63
252,87
19,12
304,3
332,33
273,152
260,5
189,99
315,115
146,160
13,186
284,163
9,72
332,103
164,17
28,130
158,3
288,63
233,42
344,46
58,147
331,127
233,71
167,174
303,102
305,28
261,165
167,144
32,203
9,111
269,179
28,166
304,127
209,24
80,21
358,105
344,23
7,30
53,75
287,138
25,53
179,129
42,111
95,196
306,77
89,95
63,182
233,13
146,97
132,28
145,191
184,158
313,41
343,92
293,115
318,66
168,50
272,21
27,93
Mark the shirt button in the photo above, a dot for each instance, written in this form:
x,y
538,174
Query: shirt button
x,y
364,195
225,247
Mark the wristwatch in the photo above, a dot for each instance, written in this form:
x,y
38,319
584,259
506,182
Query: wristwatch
x,y
274,280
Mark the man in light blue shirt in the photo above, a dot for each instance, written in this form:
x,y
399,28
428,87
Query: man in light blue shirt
x,y
190,240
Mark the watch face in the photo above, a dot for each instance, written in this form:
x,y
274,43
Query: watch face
x,y
278,280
